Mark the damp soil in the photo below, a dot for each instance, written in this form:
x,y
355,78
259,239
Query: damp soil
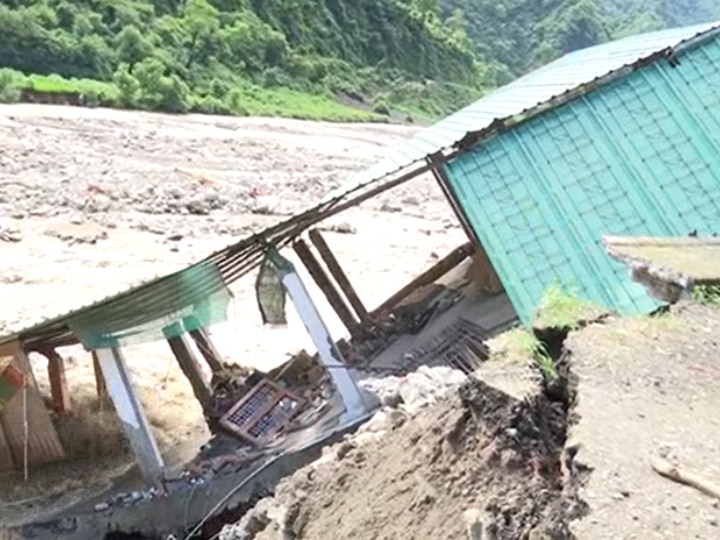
x,y
479,455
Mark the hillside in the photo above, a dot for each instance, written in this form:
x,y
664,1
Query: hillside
x,y
318,59
515,36
274,57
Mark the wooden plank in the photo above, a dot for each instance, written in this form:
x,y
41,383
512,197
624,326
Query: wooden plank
x,y
100,387
339,274
483,273
326,286
207,349
58,382
6,460
444,265
442,180
41,440
191,368
131,414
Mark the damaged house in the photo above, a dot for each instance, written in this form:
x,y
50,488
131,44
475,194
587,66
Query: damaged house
x,y
621,139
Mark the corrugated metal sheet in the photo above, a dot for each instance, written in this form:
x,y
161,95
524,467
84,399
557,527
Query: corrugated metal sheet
x,y
132,305
526,93
640,156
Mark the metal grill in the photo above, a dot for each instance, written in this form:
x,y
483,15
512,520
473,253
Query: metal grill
x,y
263,412
461,346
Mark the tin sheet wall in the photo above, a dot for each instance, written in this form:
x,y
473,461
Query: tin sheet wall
x,y
638,157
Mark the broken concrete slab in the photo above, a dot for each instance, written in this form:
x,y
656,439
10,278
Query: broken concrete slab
x,y
668,267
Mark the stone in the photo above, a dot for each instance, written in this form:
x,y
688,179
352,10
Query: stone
x,y
198,207
343,228
390,209
102,507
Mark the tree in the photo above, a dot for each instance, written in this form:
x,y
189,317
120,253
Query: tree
x,y
200,20
132,47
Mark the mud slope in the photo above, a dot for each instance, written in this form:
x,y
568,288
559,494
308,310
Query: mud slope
x,y
478,456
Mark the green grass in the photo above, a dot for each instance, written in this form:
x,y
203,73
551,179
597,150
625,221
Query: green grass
x,y
258,101
708,295
248,99
562,309
56,84
520,345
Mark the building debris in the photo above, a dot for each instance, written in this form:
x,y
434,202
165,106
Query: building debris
x,y
668,267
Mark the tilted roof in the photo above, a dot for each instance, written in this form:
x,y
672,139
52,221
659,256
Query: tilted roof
x,y
548,87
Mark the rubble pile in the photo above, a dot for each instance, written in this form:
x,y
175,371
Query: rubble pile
x,y
477,459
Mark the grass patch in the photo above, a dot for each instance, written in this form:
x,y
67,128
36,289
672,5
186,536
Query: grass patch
x,y
515,346
54,84
243,99
561,309
546,366
708,295
522,346
285,102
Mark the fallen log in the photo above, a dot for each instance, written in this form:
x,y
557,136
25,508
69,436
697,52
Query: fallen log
x,y
685,476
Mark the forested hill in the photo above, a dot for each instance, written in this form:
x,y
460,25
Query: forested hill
x,y
243,56
515,36
323,59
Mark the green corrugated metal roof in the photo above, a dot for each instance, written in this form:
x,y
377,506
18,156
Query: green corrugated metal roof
x,y
530,93
526,94
638,156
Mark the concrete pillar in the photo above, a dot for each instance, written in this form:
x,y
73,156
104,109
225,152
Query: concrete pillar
x,y
130,411
328,352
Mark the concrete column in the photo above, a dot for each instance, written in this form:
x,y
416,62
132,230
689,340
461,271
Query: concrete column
x,y
130,411
328,352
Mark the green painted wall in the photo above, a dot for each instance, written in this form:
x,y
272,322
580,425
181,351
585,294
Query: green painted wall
x,y
638,157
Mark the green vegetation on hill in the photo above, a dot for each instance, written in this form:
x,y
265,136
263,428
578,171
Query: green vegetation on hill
x,y
515,36
280,57
320,59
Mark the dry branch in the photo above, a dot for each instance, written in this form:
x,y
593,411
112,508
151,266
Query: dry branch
x,y
685,476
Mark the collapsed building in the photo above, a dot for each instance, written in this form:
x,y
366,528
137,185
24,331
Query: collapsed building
x,y
621,139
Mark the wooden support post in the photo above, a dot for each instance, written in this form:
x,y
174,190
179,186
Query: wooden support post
x,y
337,272
207,349
58,382
7,463
443,266
29,431
131,414
326,286
444,183
190,366
100,386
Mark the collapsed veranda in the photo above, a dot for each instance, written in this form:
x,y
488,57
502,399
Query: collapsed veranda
x,y
536,174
